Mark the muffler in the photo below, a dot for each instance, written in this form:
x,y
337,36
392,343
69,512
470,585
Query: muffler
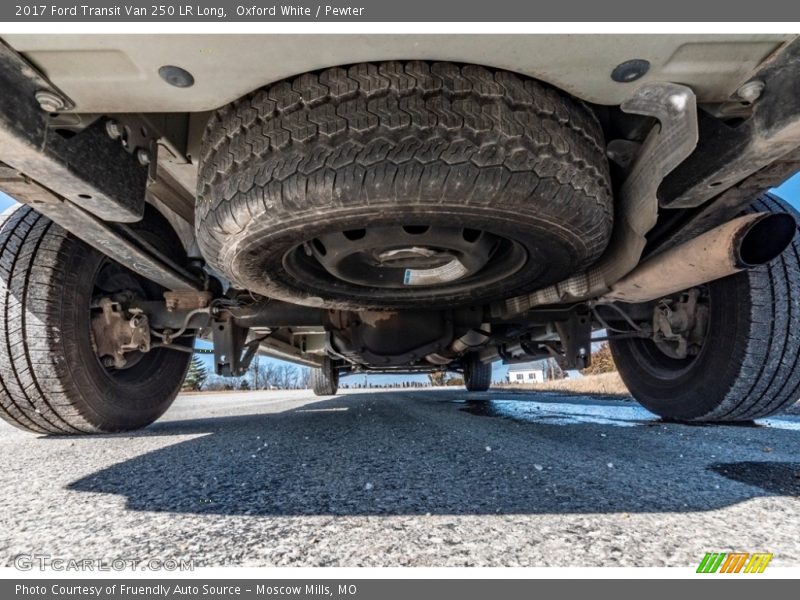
x,y
746,242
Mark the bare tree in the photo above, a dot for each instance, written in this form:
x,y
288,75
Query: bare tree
x,y
215,383
253,372
265,375
437,378
552,370
287,377
305,378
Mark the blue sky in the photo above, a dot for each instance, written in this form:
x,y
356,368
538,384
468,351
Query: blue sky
x,y
790,191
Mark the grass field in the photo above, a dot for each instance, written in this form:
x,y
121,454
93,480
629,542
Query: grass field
x,y
605,384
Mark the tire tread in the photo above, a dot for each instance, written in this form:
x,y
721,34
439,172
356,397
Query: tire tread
x,y
770,373
32,379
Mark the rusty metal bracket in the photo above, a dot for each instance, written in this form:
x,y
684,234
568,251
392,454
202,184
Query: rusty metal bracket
x,y
748,159
576,342
232,352
666,146
98,234
187,300
88,168
729,153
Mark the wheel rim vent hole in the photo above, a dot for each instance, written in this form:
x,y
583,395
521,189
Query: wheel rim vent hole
x,y
416,229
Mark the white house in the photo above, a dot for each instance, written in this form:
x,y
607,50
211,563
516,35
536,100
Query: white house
x,y
529,372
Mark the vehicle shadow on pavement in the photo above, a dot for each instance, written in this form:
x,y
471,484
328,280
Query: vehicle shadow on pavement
x,y
401,454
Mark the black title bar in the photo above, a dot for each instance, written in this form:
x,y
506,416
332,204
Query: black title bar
x,y
401,11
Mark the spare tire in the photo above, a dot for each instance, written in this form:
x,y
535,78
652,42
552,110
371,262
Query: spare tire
x,y
398,184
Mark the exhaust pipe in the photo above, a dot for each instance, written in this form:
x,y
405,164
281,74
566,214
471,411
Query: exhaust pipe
x,y
746,242
471,339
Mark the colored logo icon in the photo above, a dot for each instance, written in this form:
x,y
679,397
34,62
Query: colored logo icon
x,y
734,562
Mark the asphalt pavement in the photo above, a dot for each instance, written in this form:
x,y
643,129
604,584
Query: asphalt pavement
x,y
419,478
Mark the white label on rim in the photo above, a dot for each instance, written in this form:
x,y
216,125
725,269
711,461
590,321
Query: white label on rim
x,y
449,272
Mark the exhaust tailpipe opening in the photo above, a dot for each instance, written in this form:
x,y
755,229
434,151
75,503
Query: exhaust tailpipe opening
x,y
765,240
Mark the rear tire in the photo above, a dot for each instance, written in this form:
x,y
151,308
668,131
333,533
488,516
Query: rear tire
x,y
51,380
477,375
749,366
325,379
